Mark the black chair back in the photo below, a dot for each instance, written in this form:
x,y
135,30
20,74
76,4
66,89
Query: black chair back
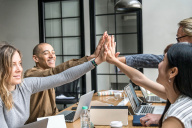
x,y
69,90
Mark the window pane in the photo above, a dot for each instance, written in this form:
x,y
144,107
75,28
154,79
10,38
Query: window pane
x,y
97,40
127,43
71,27
105,23
52,10
72,46
58,60
104,6
53,28
104,82
106,68
70,8
126,23
56,43
66,58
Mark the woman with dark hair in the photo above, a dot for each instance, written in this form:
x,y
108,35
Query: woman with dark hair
x,y
174,82
15,92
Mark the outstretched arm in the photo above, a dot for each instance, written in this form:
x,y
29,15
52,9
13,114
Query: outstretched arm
x,y
37,84
98,48
142,60
136,76
34,72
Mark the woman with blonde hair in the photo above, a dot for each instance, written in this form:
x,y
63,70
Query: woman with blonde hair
x,y
15,92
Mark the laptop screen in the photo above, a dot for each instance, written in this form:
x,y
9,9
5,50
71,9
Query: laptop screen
x,y
144,92
129,90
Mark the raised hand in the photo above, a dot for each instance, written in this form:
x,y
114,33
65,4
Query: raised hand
x,y
99,46
110,47
102,56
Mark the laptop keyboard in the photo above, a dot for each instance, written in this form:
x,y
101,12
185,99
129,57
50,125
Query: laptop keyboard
x,y
147,109
70,116
154,98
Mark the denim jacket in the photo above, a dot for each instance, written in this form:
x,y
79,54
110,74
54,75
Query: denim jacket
x,y
143,60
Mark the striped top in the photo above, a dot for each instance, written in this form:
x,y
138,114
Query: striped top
x,y
182,110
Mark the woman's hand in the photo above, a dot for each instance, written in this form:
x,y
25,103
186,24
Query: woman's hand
x,y
150,119
110,48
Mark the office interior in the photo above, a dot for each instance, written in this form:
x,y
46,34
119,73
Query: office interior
x,y
20,26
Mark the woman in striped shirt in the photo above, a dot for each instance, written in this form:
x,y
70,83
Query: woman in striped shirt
x,y
174,83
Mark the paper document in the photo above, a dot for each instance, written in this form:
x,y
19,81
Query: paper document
x,y
99,103
124,102
64,97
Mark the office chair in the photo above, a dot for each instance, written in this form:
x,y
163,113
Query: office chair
x,y
69,90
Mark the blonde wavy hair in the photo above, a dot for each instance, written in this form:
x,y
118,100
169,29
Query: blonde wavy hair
x,y
6,53
186,24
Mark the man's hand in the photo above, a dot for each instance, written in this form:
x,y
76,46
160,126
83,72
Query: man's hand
x,y
110,46
150,119
99,46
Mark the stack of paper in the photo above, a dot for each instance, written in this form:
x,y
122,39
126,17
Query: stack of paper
x,y
64,97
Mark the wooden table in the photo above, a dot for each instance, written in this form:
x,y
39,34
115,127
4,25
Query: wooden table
x,y
77,123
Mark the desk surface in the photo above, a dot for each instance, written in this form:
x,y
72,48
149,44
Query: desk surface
x,y
76,124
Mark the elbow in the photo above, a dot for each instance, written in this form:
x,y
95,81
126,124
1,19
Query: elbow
x,y
137,80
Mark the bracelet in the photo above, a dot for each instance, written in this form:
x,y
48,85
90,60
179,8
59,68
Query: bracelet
x,y
94,63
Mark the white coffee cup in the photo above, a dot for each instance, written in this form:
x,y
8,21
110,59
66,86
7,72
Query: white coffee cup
x,y
116,124
117,95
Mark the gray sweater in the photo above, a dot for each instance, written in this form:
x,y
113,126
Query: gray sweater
x,y
19,114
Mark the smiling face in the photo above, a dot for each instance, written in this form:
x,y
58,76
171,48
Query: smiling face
x,y
16,72
46,56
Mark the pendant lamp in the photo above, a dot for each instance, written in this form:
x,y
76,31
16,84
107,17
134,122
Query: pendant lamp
x,y
128,5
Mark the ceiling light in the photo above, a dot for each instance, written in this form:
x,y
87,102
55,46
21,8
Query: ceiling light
x,y
128,5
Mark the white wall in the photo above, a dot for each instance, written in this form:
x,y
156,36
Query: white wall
x,y
160,19
19,26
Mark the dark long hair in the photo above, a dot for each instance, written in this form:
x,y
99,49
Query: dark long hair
x,y
180,55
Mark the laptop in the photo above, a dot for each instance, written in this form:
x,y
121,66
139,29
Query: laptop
x,y
85,100
139,109
152,98
38,124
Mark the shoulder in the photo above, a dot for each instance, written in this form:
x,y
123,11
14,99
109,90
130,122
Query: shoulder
x,y
181,109
181,103
31,72
172,122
